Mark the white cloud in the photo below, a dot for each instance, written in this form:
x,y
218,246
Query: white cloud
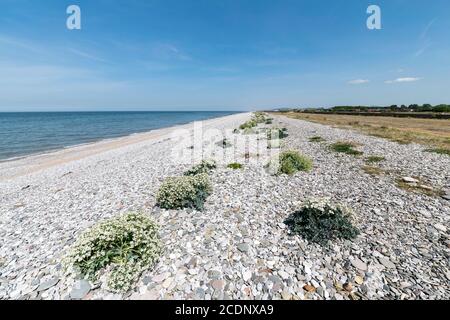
x,y
358,81
400,80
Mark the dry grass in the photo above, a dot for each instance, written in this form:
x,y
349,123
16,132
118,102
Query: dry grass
x,y
373,171
430,132
420,187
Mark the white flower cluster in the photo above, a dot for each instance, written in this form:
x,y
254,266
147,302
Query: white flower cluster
x,y
123,246
184,192
325,203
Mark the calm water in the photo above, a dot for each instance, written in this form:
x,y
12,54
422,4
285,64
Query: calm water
x,y
23,134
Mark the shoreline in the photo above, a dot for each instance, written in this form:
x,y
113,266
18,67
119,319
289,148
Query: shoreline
x,y
32,163
96,140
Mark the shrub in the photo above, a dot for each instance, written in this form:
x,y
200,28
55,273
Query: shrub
x,y
375,159
290,162
259,117
235,166
204,167
345,147
124,247
439,151
248,131
248,125
316,139
184,192
269,121
277,134
319,221
236,131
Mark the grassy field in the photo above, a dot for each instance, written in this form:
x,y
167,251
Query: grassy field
x,y
430,132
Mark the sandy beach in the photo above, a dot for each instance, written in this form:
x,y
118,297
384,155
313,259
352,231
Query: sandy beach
x,y
238,246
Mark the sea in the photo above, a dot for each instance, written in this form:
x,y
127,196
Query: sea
x,y
28,133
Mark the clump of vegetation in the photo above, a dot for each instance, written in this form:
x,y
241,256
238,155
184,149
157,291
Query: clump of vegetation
x,y
184,192
316,139
277,133
418,186
236,131
373,171
289,162
235,166
259,117
439,151
345,147
269,121
123,247
224,143
206,166
319,221
248,125
248,131
375,159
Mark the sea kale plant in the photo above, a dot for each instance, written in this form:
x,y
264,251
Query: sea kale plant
x,y
184,192
122,247
319,221
289,162
206,166
277,133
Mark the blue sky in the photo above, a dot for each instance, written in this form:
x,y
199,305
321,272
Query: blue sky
x,y
221,55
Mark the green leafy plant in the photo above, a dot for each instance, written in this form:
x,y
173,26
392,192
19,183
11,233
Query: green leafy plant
x,y
248,125
316,139
123,247
375,159
184,192
290,162
277,133
345,147
235,166
439,151
206,166
319,221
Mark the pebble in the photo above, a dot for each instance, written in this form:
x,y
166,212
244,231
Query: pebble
x,y
357,263
80,289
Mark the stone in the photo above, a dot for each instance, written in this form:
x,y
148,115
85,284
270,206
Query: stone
x,y
166,284
440,227
386,262
359,280
284,275
243,247
159,278
48,284
357,263
217,284
309,288
348,286
410,180
286,295
80,289
246,275
214,274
